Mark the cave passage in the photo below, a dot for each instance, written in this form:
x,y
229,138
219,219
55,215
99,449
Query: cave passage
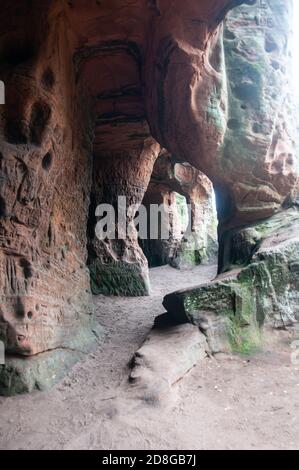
x,y
187,197
153,101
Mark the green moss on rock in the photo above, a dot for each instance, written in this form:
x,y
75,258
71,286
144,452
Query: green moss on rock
x,y
118,278
266,291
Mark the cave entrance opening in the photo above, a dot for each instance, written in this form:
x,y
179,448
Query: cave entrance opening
x,y
163,251
189,201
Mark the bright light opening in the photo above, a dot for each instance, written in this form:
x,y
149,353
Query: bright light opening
x,y
296,45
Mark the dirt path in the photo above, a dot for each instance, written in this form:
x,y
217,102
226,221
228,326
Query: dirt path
x,y
225,403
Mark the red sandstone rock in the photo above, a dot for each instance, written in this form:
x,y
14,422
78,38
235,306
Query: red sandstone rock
x,y
83,78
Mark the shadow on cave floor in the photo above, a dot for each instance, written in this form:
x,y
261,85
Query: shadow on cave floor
x,y
225,403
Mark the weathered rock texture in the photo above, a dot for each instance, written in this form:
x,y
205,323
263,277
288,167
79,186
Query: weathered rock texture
x,y
45,164
74,75
232,309
224,105
192,229
118,266
165,357
257,194
91,87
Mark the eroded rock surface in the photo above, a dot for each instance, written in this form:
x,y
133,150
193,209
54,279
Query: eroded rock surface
x,y
257,162
259,153
74,79
118,265
166,356
232,309
45,152
232,116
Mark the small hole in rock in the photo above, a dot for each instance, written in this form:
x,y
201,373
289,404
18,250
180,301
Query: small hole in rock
x,y
257,128
47,161
26,266
2,207
229,35
270,45
48,79
40,116
275,64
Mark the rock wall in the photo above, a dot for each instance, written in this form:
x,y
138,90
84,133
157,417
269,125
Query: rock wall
x,y
74,77
45,186
118,266
233,309
257,159
188,197
224,105
93,89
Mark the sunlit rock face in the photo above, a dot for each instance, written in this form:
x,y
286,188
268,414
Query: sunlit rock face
x,y
187,197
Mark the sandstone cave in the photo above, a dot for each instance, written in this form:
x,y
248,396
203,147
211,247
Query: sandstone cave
x,y
191,105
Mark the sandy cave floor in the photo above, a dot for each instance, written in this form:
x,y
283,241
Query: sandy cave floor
x,y
227,402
